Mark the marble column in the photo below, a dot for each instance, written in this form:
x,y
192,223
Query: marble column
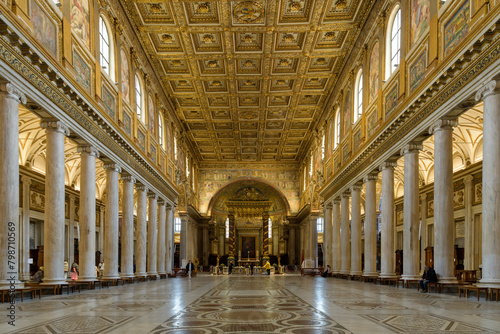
x,y
206,246
388,224
291,245
356,230
490,94
306,243
444,220
370,225
336,235
25,230
327,236
423,230
345,235
161,238
301,243
169,237
152,226
111,227
470,231
183,241
70,256
53,241
140,236
10,97
411,223
88,155
127,234
102,214
313,240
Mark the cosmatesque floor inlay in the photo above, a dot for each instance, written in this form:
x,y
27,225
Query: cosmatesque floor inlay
x,y
261,304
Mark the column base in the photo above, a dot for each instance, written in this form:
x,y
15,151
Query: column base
x,y
388,275
489,282
410,277
49,281
141,274
162,273
87,278
368,273
451,279
111,276
345,272
127,275
356,273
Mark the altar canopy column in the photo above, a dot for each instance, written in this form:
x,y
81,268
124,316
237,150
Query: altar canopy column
x,y
370,225
336,236
265,243
161,238
151,257
444,220
411,245
387,217
127,233
53,260
232,248
88,155
490,94
10,97
327,236
169,237
140,237
345,234
111,235
356,230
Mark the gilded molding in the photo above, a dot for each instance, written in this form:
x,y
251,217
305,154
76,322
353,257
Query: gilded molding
x,y
55,126
443,124
490,88
13,91
90,150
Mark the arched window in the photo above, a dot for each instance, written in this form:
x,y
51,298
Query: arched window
x,y
270,230
138,99
227,228
105,47
393,42
177,225
320,224
160,132
358,97
337,129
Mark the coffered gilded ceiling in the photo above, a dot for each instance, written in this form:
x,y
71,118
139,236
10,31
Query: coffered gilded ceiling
x,y
248,78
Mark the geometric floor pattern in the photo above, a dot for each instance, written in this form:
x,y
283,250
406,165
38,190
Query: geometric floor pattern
x,y
287,304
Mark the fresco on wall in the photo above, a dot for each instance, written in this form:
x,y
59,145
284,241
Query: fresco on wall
x,y
169,138
356,139
345,152
141,140
152,151
374,68
151,116
44,29
109,102
125,76
80,20
127,123
371,124
391,101
347,113
456,28
286,180
82,71
417,71
420,15
329,139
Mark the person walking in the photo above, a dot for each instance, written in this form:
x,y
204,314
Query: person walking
x,y
267,266
190,268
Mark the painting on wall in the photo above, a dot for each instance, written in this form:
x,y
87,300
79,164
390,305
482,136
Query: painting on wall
x,y
80,20
374,68
127,123
44,29
141,140
109,102
356,139
151,116
152,152
329,139
125,76
391,101
345,151
82,71
420,14
417,71
169,138
347,112
371,123
248,249
162,163
456,28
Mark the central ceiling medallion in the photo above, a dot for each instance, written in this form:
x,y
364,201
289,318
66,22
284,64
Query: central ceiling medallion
x,y
330,35
155,8
289,38
295,6
248,12
341,4
248,38
203,8
166,38
208,38
212,63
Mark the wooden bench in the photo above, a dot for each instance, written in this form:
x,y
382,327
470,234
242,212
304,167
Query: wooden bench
x,y
370,279
153,277
129,280
495,291
310,272
33,291
141,278
53,287
442,285
467,288
163,276
408,282
389,281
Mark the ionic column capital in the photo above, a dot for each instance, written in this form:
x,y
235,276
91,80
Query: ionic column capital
x,y
140,187
356,187
411,148
370,177
55,126
113,167
346,194
490,88
128,178
26,180
423,197
443,124
388,165
161,201
328,206
152,195
336,200
13,92
468,179
90,150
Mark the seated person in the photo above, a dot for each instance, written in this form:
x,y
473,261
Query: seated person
x,y
37,278
429,276
328,271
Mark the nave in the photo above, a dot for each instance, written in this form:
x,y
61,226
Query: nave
x,y
258,304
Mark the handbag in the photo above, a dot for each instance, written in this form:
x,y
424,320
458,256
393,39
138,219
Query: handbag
x,y
74,275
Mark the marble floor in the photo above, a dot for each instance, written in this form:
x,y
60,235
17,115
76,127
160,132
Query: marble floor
x,y
257,304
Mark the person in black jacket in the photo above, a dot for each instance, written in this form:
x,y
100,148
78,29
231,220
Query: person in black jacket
x,y
428,276
230,270
190,268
